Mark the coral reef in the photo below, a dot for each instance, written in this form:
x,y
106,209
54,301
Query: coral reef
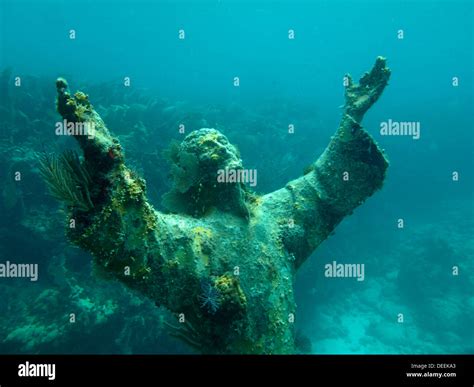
x,y
106,318
261,243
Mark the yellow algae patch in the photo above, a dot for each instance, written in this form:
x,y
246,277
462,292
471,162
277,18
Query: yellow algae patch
x,y
230,290
201,240
210,137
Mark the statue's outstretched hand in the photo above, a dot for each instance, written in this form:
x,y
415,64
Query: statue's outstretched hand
x,y
360,97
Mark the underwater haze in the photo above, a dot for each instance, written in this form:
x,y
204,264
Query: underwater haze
x,y
250,69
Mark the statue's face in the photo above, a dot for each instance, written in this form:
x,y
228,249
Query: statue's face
x,y
196,165
199,158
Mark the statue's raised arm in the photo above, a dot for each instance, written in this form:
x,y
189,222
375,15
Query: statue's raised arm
x,y
351,169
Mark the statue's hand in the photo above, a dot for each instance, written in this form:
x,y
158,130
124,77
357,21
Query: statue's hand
x,y
360,97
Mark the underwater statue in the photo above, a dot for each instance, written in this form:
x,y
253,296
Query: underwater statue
x,y
224,260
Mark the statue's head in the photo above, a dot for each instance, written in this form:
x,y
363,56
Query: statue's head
x,y
195,165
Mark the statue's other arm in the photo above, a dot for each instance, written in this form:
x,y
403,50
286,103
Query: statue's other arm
x,y
128,239
159,255
351,169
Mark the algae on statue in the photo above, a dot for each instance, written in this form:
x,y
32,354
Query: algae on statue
x,y
223,260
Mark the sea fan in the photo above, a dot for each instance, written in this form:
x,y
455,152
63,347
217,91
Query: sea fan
x,y
210,297
67,179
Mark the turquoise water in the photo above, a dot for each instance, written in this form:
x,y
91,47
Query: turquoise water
x,y
282,81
